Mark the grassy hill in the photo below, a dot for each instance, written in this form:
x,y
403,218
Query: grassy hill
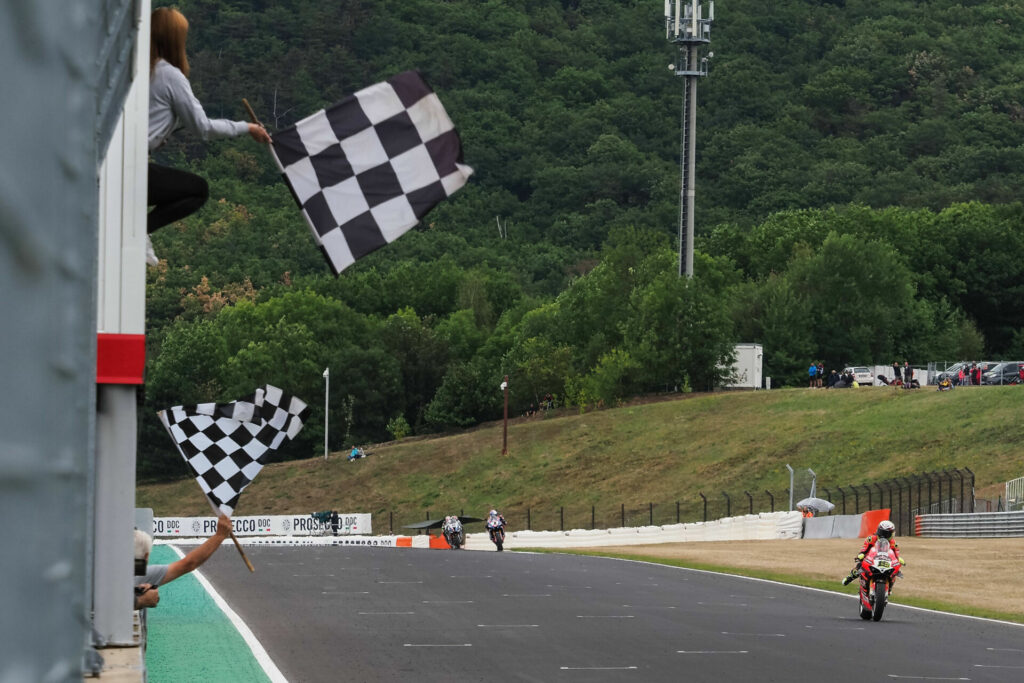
x,y
661,452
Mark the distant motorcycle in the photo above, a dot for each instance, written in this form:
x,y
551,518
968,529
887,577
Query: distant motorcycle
x,y
496,530
878,571
453,532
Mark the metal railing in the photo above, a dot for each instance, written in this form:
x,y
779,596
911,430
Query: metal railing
x,y
907,497
980,525
1015,494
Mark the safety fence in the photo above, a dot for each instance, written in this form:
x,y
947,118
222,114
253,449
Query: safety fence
x,y
945,491
1015,494
980,525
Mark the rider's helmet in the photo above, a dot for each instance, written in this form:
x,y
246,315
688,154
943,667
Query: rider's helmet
x,y
886,529
492,513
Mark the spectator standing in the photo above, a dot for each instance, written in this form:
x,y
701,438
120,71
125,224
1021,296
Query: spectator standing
x,y
975,374
819,377
812,373
908,373
960,376
896,374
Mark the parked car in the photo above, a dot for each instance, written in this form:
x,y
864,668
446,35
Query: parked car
x,y
952,371
1002,373
861,374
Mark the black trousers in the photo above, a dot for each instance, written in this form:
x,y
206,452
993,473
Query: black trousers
x,y
173,194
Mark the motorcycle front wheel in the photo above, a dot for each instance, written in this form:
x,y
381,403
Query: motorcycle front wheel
x,y
879,606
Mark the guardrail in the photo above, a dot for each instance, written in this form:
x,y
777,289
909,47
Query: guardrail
x,y
978,525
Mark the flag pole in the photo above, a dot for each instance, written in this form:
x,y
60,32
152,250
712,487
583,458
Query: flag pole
x,y
252,114
238,545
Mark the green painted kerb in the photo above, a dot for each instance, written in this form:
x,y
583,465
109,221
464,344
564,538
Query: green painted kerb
x,y
191,639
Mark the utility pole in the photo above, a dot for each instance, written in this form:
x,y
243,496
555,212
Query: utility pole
x,y
504,429
686,27
327,397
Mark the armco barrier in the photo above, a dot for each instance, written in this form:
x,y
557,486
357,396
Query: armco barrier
x,y
844,526
978,525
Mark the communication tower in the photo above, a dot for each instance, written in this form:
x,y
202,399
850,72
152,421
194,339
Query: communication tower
x,y
688,29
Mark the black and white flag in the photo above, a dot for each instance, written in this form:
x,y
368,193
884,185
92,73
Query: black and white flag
x,y
224,444
368,168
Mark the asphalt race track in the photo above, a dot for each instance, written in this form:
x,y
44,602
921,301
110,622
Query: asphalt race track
x,y
365,614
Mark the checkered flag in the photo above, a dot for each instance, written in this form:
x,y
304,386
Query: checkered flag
x,y
370,167
224,444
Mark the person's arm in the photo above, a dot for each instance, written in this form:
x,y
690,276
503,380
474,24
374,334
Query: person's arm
x,y
195,559
190,112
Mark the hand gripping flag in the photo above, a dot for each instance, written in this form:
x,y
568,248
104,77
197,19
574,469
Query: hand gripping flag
x,y
370,167
224,444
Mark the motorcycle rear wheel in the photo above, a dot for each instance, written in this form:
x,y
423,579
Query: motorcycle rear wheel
x,y
880,599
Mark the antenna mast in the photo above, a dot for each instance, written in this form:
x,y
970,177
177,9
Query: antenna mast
x,y
686,27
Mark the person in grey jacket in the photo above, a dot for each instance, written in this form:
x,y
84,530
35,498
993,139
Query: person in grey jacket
x,y
174,193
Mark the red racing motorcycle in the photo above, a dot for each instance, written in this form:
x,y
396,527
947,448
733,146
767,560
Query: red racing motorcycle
x,y
878,571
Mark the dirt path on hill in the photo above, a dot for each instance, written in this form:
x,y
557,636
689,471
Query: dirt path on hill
x,y
994,577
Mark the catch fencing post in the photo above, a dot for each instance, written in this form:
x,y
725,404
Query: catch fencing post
x,y
843,494
591,516
828,494
728,504
391,521
677,512
705,505
650,510
856,500
622,512
528,521
968,469
772,498
750,499
561,519
881,496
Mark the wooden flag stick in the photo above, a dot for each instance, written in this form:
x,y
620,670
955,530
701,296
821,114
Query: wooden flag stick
x,y
238,545
252,114
242,553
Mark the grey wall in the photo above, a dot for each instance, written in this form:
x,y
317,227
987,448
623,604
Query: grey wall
x,y
50,51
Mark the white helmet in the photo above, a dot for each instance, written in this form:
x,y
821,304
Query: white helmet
x,y
886,529
493,513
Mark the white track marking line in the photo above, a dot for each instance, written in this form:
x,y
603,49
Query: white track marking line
x,y
368,613
604,616
261,656
508,625
997,666
320,575
713,652
1003,649
755,635
928,678
651,606
399,582
724,604
447,602
597,668
838,628
344,592
438,645
526,595
471,576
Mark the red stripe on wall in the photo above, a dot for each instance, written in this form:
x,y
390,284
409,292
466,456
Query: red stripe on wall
x,y
120,358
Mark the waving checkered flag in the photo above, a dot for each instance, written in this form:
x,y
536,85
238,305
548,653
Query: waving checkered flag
x,y
224,444
370,167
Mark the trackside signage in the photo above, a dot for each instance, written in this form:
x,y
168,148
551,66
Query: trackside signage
x,y
350,524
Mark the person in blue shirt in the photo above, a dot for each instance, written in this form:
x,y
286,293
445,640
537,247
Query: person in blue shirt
x,y
812,372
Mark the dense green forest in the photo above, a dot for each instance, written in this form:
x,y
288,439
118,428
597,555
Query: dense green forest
x,y
858,174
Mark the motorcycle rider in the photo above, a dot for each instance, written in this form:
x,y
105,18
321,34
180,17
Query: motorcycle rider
x,y
495,522
886,529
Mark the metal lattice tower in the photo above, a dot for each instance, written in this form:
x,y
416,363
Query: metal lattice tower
x,y
687,28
